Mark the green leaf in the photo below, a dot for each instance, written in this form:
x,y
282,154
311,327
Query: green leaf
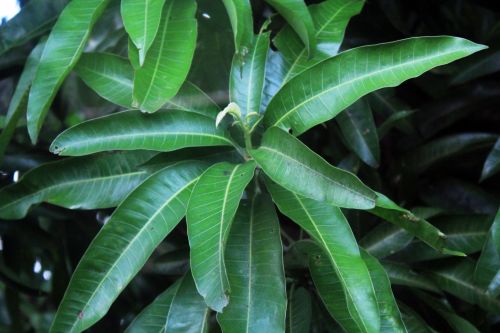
x,y
437,150
492,163
167,63
358,72
420,228
298,17
299,311
192,99
141,20
487,63
110,76
124,244
210,213
358,128
17,105
34,19
487,271
165,130
178,309
385,239
330,20
247,78
98,181
61,53
294,166
390,317
254,263
413,322
329,228
240,16
403,275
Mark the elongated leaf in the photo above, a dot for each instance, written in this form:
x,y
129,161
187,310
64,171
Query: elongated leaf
x,y
330,20
240,15
327,225
390,317
110,76
192,99
358,72
298,17
247,78
63,48
210,213
17,106
492,163
386,239
358,128
254,263
299,311
169,58
294,166
34,19
487,63
98,181
413,322
124,244
165,130
487,270
456,278
141,20
403,275
434,151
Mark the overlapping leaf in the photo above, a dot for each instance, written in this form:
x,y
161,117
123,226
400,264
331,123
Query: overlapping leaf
x,y
240,15
299,311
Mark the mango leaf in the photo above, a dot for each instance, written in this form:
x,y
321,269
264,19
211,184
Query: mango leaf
x,y
385,239
34,19
254,263
192,99
358,128
403,275
456,278
390,317
240,16
99,181
487,270
329,228
165,130
210,213
299,311
358,72
437,150
141,20
330,20
178,309
61,53
492,163
17,105
247,78
487,63
110,76
413,322
167,63
290,163
124,244
298,17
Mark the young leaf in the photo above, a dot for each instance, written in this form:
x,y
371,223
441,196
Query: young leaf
x,y
169,58
178,309
328,227
247,78
61,52
210,213
492,163
487,271
240,15
165,130
294,166
358,128
17,105
299,311
124,244
98,181
254,263
141,19
298,17
358,72
110,76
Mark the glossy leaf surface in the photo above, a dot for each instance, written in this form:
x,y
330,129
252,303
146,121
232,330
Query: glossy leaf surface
x,y
299,311
290,163
487,271
191,98
492,163
240,16
209,217
165,130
